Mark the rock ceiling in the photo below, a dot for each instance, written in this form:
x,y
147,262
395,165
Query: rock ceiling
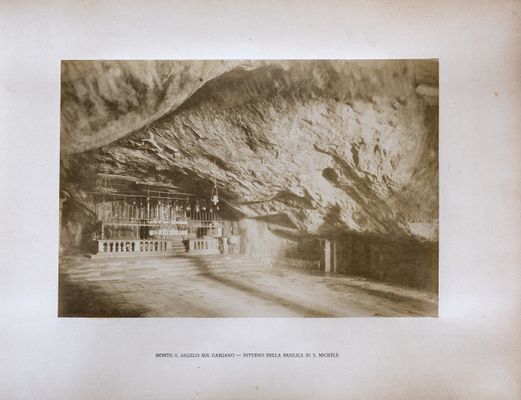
x,y
335,146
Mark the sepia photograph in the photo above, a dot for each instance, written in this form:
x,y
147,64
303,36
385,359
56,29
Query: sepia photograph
x,y
230,200
249,188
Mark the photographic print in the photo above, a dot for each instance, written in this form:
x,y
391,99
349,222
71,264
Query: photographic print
x,y
249,188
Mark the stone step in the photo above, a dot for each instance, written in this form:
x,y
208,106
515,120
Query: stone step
x,y
147,258
174,263
158,273
178,267
129,255
199,272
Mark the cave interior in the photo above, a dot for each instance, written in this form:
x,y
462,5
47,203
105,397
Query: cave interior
x,y
329,165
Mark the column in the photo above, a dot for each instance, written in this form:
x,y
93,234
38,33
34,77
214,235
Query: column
x,y
327,255
62,200
335,256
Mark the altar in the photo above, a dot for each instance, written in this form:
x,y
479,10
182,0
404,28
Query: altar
x,y
140,218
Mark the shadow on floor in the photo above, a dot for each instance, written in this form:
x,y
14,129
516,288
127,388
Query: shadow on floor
x,y
81,301
252,291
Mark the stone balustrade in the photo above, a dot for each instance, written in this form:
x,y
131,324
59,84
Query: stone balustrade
x,y
122,247
115,246
204,246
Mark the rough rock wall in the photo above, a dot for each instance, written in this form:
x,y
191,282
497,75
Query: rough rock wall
x,y
77,223
259,239
102,101
336,146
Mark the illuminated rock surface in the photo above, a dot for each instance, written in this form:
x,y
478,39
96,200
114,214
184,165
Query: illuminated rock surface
x,y
335,146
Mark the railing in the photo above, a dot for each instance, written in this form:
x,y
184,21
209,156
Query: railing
x,y
134,230
143,222
204,246
135,246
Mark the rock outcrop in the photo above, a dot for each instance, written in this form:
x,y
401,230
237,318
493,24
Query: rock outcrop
x,y
335,146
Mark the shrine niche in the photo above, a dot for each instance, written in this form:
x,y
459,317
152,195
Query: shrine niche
x,y
142,218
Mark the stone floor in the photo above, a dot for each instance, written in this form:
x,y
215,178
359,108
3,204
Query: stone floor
x,y
217,286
